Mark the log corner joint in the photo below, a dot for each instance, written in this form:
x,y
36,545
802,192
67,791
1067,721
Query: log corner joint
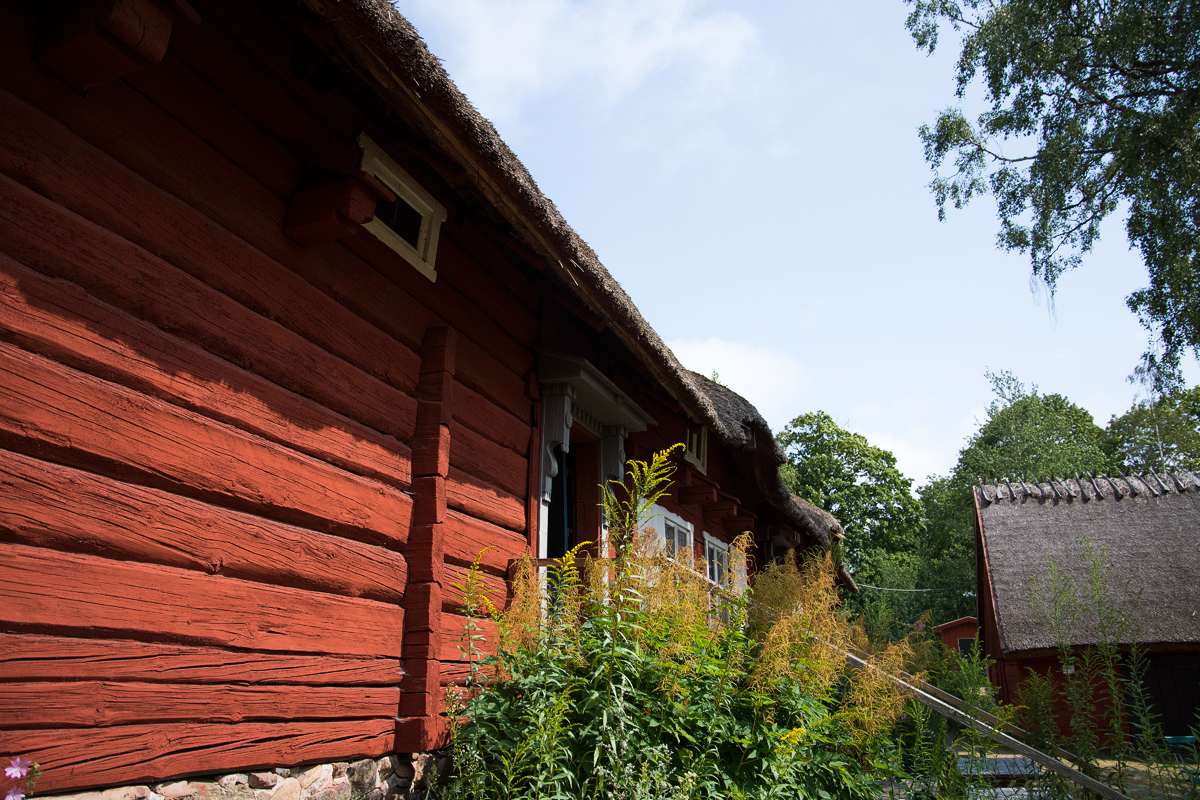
x,y
87,43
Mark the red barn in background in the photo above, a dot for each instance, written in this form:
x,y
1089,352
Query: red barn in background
x,y
1147,532
288,336
959,634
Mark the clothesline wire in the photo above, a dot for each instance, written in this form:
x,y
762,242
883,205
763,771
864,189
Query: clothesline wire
x,y
886,589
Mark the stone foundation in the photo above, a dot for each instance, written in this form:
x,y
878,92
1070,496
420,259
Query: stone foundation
x,y
396,777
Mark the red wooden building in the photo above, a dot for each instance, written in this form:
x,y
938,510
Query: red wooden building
x,y
1148,530
959,634
287,337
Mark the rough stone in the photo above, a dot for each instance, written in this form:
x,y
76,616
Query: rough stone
x,y
337,791
362,775
283,772
423,764
232,781
208,790
323,780
287,789
173,791
126,793
403,767
396,787
339,768
263,780
309,776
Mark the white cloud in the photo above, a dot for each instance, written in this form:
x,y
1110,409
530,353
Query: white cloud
x,y
505,53
770,379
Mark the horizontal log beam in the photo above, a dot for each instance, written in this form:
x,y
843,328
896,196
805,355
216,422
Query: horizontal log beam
x,y
56,507
480,499
54,592
468,538
42,153
59,320
26,657
48,408
697,495
112,269
488,461
86,704
77,758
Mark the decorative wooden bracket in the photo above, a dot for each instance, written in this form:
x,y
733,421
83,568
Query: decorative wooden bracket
x,y
90,42
556,430
333,211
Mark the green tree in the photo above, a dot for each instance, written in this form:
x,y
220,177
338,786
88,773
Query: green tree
x,y
1025,436
859,484
852,479
1157,435
1028,435
1094,105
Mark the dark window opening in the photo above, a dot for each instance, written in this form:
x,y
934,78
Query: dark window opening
x,y
561,533
1172,686
966,647
401,218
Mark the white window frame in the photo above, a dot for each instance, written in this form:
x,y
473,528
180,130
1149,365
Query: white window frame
x,y
695,448
713,546
659,517
716,554
423,257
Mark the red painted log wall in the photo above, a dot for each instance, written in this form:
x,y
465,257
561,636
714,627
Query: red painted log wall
x,y
228,533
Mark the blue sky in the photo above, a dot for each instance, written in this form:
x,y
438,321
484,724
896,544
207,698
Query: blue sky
x,y
750,172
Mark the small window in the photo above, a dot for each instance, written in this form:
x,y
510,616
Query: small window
x,y
721,568
695,448
678,539
966,647
410,224
675,535
717,556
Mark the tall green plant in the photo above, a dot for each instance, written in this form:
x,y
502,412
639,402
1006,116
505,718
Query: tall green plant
x,y
641,679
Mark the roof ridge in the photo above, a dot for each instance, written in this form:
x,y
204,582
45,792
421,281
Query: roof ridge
x,y
1088,487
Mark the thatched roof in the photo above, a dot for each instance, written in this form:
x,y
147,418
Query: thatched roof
x,y
758,457
388,54
1148,527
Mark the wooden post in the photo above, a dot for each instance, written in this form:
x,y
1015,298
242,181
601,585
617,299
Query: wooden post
x,y
421,687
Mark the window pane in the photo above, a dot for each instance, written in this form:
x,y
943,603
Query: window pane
x,y
400,217
669,531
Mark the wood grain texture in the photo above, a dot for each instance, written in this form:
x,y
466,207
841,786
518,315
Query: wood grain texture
x,y
494,587
467,274
484,374
48,408
56,507
483,500
76,758
59,320
466,538
455,647
35,657
39,152
56,242
53,592
144,138
474,411
472,240
479,456
85,704
201,108
495,347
